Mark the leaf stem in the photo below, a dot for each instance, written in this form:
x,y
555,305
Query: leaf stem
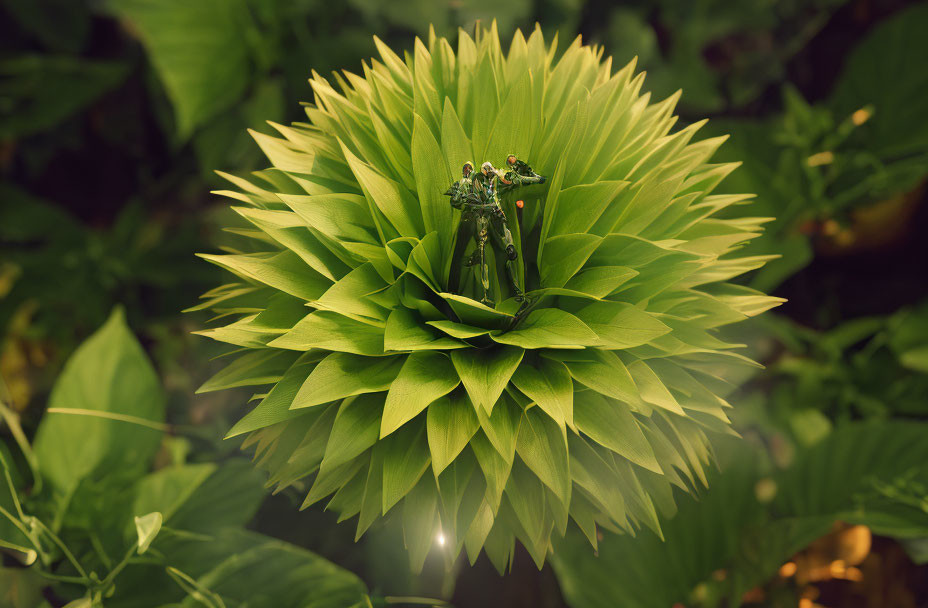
x,y
62,509
12,420
60,543
28,555
74,580
105,583
158,426
100,551
16,522
30,534
419,601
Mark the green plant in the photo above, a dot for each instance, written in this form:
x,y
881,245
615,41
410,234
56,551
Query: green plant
x,y
813,166
92,524
722,54
483,425
43,271
871,367
754,517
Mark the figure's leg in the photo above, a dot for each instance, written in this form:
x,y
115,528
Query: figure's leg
x,y
483,226
503,239
465,233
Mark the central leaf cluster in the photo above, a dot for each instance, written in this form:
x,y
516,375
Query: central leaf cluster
x,y
490,424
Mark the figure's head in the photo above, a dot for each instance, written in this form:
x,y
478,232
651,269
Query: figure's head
x,y
511,160
467,169
487,168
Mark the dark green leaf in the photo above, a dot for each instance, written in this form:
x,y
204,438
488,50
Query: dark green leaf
x,y
199,49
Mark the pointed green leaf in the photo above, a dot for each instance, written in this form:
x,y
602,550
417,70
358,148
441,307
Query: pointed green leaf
x,y
292,231
612,424
348,295
495,468
405,459
549,328
486,372
372,503
451,422
389,197
405,331
594,475
275,407
526,496
651,388
564,255
354,430
332,331
342,217
472,312
548,384
458,330
424,377
502,425
600,281
342,375
284,271
420,516
605,373
255,368
621,325
432,179
578,207
331,480
542,446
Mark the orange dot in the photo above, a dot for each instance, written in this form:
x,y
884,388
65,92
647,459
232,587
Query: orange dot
x,y
861,116
520,204
854,574
788,569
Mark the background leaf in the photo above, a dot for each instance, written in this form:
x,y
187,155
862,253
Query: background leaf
x,y
40,91
108,373
200,49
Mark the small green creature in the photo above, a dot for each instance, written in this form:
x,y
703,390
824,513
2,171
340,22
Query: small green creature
x,y
477,196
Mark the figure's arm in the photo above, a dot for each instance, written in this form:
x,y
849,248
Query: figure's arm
x,y
520,174
455,191
471,199
524,180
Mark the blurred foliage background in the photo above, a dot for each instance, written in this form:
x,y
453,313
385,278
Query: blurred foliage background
x,y
114,115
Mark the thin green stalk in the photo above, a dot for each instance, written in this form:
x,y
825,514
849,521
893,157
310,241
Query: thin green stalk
x,y
105,583
158,426
189,430
9,483
419,601
73,580
64,549
194,589
63,509
30,534
28,555
100,551
12,420
16,522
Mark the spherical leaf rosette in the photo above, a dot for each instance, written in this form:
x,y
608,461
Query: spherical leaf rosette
x,y
389,391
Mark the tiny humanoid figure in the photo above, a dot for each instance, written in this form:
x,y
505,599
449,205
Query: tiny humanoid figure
x,y
477,196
